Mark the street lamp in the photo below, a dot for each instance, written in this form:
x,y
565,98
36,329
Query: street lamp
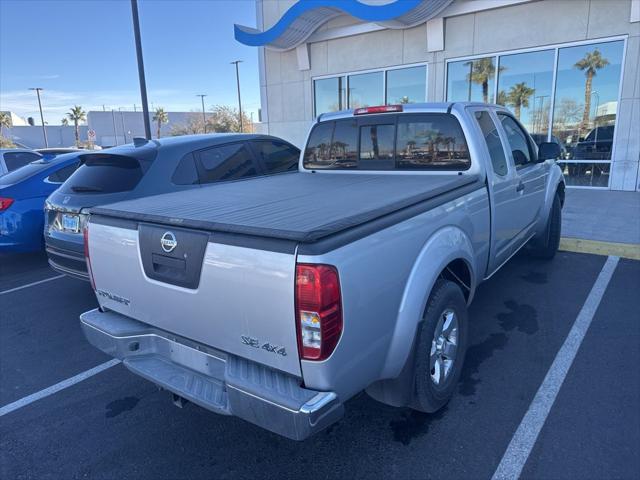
x,y
115,132
236,62
204,117
143,84
124,130
44,130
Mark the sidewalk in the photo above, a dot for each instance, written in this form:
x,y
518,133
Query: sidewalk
x,y
602,221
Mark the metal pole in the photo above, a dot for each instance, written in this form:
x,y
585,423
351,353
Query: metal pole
x,y
44,129
236,62
204,117
124,130
143,83
115,133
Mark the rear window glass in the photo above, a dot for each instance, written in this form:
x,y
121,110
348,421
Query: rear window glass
x,y
376,146
15,160
429,141
105,173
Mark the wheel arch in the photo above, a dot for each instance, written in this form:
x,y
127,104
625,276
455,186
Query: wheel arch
x,y
452,251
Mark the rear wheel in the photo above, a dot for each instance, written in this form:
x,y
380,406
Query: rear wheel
x,y
441,347
548,245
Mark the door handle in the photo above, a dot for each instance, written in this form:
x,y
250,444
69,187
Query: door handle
x,y
520,187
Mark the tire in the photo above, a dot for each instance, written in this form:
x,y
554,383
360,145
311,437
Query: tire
x,y
547,246
432,392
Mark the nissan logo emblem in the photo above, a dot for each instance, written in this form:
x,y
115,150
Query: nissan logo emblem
x,y
168,242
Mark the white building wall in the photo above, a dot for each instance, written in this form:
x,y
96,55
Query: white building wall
x,y
286,90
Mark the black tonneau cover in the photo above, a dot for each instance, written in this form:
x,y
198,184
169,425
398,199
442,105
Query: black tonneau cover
x,y
303,207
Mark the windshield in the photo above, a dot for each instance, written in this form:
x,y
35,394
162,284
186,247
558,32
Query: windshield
x,y
600,133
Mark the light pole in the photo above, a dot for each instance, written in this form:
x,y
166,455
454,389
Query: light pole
x,y
236,62
143,83
204,117
44,129
124,130
115,132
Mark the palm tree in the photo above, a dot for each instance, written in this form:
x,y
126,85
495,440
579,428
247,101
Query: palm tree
x,y
64,122
160,117
481,71
590,64
519,97
77,115
5,121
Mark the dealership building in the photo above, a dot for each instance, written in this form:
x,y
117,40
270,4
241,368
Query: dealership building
x,y
568,69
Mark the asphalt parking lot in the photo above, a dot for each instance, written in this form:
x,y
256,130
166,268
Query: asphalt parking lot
x,y
116,425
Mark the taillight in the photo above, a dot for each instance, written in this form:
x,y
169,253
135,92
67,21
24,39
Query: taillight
x,y
5,203
378,109
87,256
318,310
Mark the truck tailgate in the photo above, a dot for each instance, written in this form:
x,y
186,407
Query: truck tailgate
x,y
235,299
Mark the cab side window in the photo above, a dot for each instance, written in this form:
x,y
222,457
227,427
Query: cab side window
x,y
523,153
494,144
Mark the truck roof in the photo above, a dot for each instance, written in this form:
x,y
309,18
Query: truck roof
x,y
412,108
298,206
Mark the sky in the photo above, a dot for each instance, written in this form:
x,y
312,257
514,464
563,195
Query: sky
x,y
82,52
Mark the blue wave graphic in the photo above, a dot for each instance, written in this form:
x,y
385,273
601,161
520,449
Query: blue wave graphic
x,y
370,13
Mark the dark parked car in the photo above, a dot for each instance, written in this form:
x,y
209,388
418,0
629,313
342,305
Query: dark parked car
x,y
147,168
596,146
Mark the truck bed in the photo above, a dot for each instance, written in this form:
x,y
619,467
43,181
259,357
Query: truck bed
x,y
300,207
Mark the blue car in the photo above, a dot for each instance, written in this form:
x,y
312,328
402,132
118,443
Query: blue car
x,y
149,168
22,196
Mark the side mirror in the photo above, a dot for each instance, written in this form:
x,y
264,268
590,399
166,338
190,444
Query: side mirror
x,y
548,151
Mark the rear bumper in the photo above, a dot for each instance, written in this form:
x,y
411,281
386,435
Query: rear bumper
x,y
67,261
217,381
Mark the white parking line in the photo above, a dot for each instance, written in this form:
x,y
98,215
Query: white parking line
x,y
523,440
57,387
31,284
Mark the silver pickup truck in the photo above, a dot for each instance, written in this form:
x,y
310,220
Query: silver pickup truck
x,y
277,299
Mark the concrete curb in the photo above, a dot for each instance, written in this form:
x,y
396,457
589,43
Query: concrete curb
x,y
622,250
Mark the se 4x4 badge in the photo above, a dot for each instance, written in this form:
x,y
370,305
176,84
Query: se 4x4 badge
x,y
255,343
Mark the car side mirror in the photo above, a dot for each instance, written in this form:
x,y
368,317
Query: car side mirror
x,y
548,151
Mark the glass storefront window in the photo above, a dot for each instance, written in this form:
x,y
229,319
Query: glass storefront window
x,y
584,174
525,81
471,80
329,95
366,89
586,101
407,85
